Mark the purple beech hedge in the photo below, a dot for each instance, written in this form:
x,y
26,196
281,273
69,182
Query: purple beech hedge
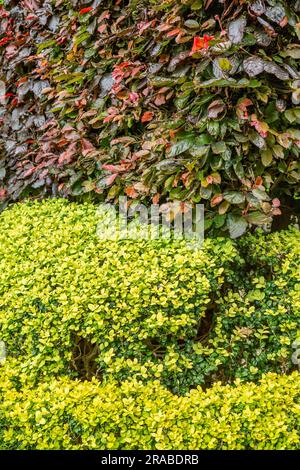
x,y
190,100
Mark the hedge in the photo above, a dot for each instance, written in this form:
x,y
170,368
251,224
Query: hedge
x,y
68,414
74,305
259,320
135,305
171,100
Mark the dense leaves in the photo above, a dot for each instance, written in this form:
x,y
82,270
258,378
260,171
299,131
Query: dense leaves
x,y
73,304
68,414
173,100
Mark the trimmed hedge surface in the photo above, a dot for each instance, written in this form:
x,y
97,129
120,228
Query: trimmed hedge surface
x,y
76,305
144,344
66,414
69,299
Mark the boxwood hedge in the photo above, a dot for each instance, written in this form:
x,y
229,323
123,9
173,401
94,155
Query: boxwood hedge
x,y
71,303
75,305
69,414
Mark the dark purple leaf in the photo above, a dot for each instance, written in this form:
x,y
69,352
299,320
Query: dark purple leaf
x,y
257,7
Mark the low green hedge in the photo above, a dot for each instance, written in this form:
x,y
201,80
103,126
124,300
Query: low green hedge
x,y
74,305
69,414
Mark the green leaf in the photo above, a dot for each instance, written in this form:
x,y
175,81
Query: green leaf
x,y
192,24
218,147
260,194
266,157
290,115
257,140
199,150
81,38
205,192
293,50
258,218
45,45
70,76
163,81
2,173
256,294
213,128
197,5
219,220
203,139
231,82
180,147
224,64
278,151
234,197
239,170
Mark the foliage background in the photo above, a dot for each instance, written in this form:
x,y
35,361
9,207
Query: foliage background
x,y
107,98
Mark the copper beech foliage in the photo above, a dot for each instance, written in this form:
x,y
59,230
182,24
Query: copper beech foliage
x,y
191,100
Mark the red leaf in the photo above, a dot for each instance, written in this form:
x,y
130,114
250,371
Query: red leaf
x,y
259,181
156,198
147,116
261,127
164,27
131,192
241,109
4,41
67,155
112,168
3,13
172,133
29,172
102,28
111,178
109,118
284,22
2,193
184,178
174,32
87,146
216,200
31,16
133,97
159,100
31,4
